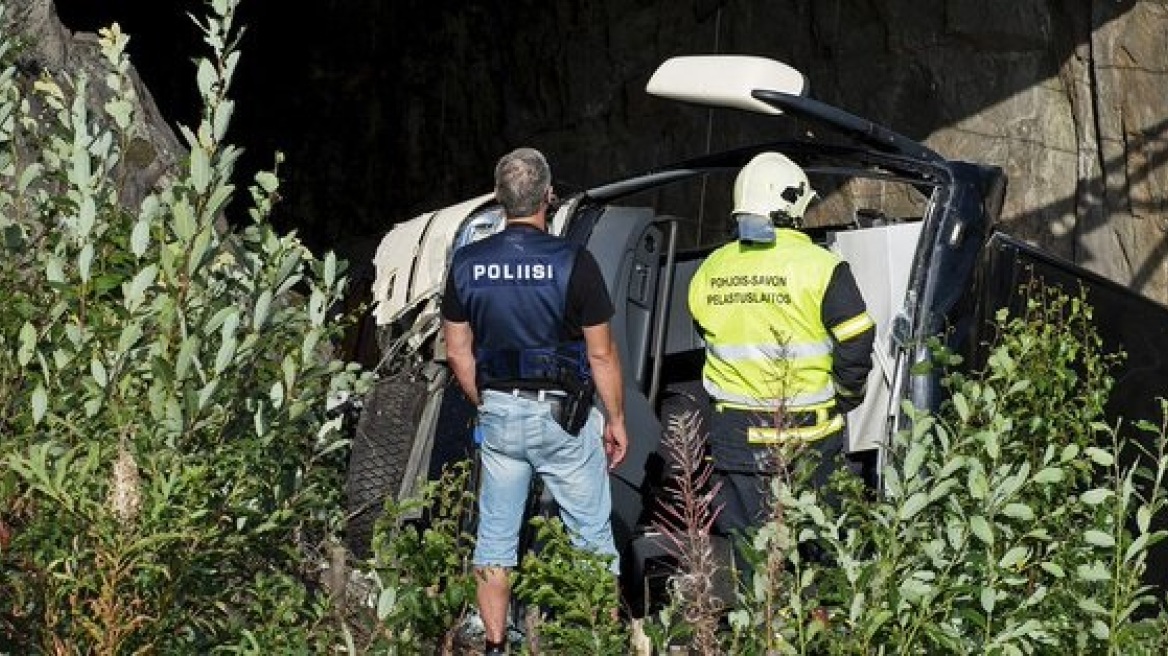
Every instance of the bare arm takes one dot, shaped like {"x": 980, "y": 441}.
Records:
{"x": 606, "y": 371}
{"x": 460, "y": 353}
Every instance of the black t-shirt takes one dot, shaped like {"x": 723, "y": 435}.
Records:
{"x": 588, "y": 303}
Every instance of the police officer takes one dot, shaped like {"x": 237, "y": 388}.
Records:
{"x": 526, "y": 323}
{"x": 788, "y": 339}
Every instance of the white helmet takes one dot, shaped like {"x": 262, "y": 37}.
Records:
{"x": 774, "y": 187}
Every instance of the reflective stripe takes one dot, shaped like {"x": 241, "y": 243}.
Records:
{"x": 761, "y": 435}
{"x": 810, "y": 398}
{"x": 846, "y": 330}
{"x": 851, "y": 394}
{"x": 770, "y": 351}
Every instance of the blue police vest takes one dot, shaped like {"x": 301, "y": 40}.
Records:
{"x": 514, "y": 289}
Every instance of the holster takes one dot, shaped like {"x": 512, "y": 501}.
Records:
{"x": 576, "y": 407}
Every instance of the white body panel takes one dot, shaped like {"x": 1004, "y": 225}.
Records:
{"x": 411, "y": 259}
{"x": 881, "y": 259}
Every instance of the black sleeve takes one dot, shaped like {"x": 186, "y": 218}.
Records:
{"x": 588, "y": 300}
{"x": 452, "y": 309}
{"x": 853, "y": 334}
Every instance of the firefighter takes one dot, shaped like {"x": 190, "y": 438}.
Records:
{"x": 788, "y": 341}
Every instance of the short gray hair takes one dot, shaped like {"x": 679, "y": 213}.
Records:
{"x": 522, "y": 179}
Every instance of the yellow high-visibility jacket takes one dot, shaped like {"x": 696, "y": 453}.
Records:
{"x": 769, "y": 341}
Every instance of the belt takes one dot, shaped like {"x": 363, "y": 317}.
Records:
{"x": 555, "y": 399}
{"x": 543, "y": 395}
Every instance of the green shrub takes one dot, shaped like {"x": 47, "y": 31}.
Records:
{"x": 424, "y": 586}
{"x": 169, "y": 470}
{"x": 572, "y": 595}
{"x": 423, "y": 583}
{"x": 1006, "y": 523}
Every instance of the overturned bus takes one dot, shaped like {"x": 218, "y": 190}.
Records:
{"x": 918, "y": 230}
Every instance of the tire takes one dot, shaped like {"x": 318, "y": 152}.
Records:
{"x": 380, "y": 453}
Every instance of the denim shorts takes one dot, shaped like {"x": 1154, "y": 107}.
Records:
{"x": 519, "y": 438}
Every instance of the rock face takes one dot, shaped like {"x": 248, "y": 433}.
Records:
{"x": 1068, "y": 97}
{"x": 50, "y": 47}
{"x": 387, "y": 109}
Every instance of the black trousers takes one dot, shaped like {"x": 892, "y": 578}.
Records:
{"x": 744, "y": 495}
{"x": 743, "y": 473}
